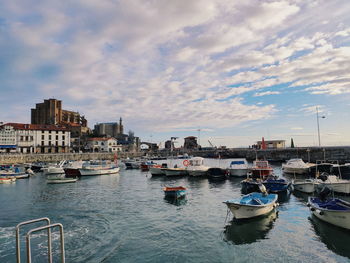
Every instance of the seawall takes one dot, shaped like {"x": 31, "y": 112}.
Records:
{"x": 53, "y": 157}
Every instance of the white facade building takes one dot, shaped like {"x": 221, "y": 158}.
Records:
{"x": 103, "y": 145}
{"x": 37, "y": 138}
{"x": 8, "y": 142}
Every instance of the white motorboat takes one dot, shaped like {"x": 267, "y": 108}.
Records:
{"x": 196, "y": 166}
{"x": 238, "y": 167}
{"x": 59, "y": 179}
{"x": 305, "y": 185}
{"x": 335, "y": 183}
{"x": 252, "y": 205}
{"x": 98, "y": 168}
{"x": 295, "y": 166}
{"x": 55, "y": 169}
{"x": 332, "y": 210}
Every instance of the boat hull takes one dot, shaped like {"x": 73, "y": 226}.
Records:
{"x": 339, "y": 187}
{"x": 237, "y": 172}
{"x": 7, "y": 180}
{"x": 197, "y": 172}
{"x": 305, "y": 187}
{"x": 61, "y": 181}
{"x": 292, "y": 170}
{"x": 88, "y": 172}
{"x": 157, "y": 171}
{"x": 175, "y": 172}
{"x": 72, "y": 172}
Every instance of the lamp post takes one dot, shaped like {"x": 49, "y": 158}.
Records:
{"x": 318, "y": 126}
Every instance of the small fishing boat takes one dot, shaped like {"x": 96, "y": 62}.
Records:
{"x": 305, "y": 185}
{"x": 7, "y": 180}
{"x": 196, "y": 167}
{"x": 332, "y": 210}
{"x": 59, "y": 179}
{"x": 252, "y": 205}
{"x": 334, "y": 183}
{"x": 98, "y": 168}
{"x": 277, "y": 185}
{"x": 174, "y": 192}
{"x": 261, "y": 169}
{"x": 295, "y": 166}
{"x": 18, "y": 172}
{"x": 217, "y": 173}
{"x": 238, "y": 168}
{"x": 273, "y": 184}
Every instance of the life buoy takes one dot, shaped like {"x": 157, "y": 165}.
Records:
{"x": 186, "y": 162}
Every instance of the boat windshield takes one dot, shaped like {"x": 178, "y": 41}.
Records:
{"x": 237, "y": 162}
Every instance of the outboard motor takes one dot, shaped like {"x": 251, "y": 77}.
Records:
{"x": 323, "y": 176}
{"x": 262, "y": 189}
{"x": 324, "y": 193}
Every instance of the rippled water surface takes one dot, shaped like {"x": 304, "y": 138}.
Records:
{"x": 125, "y": 218}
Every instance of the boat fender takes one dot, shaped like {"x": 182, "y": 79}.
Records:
{"x": 308, "y": 205}
{"x": 312, "y": 209}
{"x": 321, "y": 213}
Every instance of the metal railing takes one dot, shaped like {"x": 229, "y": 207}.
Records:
{"x": 47, "y": 227}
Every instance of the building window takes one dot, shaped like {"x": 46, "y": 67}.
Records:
{"x": 56, "y": 137}
{"x": 49, "y": 131}
{"x": 43, "y": 137}
{"x": 63, "y": 137}
{"x": 31, "y": 138}
{"x": 21, "y": 139}
{"x": 49, "y": 143}
{"x": 56, "y": 143}
{"x": 50, "y": 137}
{"x": 27, "y": 138}
{"x": 63, "y": 143}
{"x": 42, "y": 143}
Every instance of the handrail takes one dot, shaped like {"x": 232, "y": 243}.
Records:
{"x": 18, "y": 243}
{"x": 29, "y": 259}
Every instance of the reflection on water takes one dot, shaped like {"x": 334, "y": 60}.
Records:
{"x": 335, "y": 238}
{"x": 248, "y": 231}
{"x": 303, "y": 197}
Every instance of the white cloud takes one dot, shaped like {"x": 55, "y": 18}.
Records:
{"x": 265, "y": 93}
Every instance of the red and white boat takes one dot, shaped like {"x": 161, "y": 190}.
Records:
{"x": 261, "y": 169}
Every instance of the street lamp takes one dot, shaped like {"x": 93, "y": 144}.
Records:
{"x": 318, "y": 126}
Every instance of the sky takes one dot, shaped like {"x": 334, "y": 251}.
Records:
{"x": 229, "y": 72}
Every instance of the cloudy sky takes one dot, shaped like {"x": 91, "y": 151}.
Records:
{"x": 235, "y": 70}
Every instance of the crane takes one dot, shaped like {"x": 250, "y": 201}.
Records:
{"x": 211, "y": 144}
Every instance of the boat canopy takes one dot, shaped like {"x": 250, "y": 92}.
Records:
{"x": 237, "y": 162}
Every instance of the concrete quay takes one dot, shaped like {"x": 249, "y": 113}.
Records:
{"x": 56, "y": 157}
{"x": 311, "y": 154}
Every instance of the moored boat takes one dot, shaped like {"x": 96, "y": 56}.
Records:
{"x": 252, "y": 205}
{"x": 305, "y": 185}
{"x": 238, "y": 167}
{"x": 98, "y": 168}
{"x": 145, "y": 166}
{"x": 174, "y": 192}
{"x": 59, "y": 179}
{"x": 334, "y": 183}
{"x": 216, "y": 173}
{"x": 295, "y": 166}
{"x": 261, "y": 169}
{"x": 332, "y": 210}
{"x": 196, "y": 166}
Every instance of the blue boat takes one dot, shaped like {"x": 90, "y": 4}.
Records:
{"x": 272, "y": 184}
{"x": 174, "y": 192}
{"x": 275, "y": 185}
{"x": 252, "y": 205}
{"x": 332, "y": 210}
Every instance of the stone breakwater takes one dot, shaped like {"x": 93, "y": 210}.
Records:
{"x": 30, "y": 158}
{"x": 312, "y": 154}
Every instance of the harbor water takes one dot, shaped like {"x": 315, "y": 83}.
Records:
{"x": 125, "y": 218}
